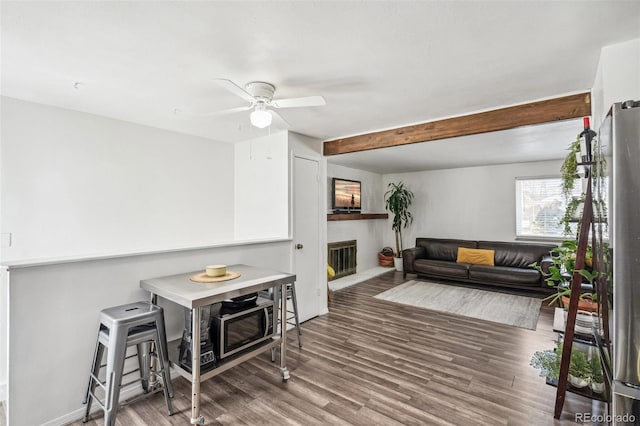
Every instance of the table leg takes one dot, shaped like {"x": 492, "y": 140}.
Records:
{"x": 283, "y": 332}
{"x": 153, "y": 378}
{"x": 196, "y": 418}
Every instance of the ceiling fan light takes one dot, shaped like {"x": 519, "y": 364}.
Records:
{"x": 261, "y": 118}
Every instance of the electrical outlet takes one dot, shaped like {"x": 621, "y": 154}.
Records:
{"x": 5, "y": 239}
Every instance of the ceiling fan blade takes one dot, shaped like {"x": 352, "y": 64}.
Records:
{"x": 235, "y": 89}
{"x": 308, "y": 101}
{"x": 179, "y": 111}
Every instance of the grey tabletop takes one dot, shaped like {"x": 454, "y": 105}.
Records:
{"x": 180, "y": 289}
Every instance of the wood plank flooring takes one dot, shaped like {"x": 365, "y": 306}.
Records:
{"x": 372, "y": 362}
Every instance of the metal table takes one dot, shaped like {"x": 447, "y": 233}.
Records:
{"x": 181, "y": 290}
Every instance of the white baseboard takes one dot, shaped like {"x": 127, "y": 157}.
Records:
{"x": 358, "y": 277}
{"x": 79, "y": 413}
{"x": 75, "y": 415}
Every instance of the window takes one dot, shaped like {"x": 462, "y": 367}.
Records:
{"x": 540, "y": 207}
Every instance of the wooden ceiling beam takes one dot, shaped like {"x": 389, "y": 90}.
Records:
{"x": 556, "y": 109}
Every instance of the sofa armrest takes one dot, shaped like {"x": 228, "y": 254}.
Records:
{"x": 545, "y": 263}
{"x": 410, "y": 255}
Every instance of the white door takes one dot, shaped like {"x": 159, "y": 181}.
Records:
{"x": 306, "y": 236}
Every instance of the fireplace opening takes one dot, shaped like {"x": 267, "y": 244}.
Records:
{"x": 342, "y": 258}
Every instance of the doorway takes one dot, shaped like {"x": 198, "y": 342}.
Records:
{"x": 306, "y": 235}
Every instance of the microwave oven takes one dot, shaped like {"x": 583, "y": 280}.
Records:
{"x": 241, "y": 330}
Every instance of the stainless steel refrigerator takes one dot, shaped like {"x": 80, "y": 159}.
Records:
{"x": 621, "y": 129}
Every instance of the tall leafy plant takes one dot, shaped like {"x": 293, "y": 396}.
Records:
{"x": 398, "y": 199}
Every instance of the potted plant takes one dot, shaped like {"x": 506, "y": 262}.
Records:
{"x": 397, "y": 200}
{"x": 572, "y": 213}
{"x": 579, "y": 369}
{"x": 560, "y": 272}
{"x": 547, "y": 362}
{"x": 569, "y": 168}
{"x": 597, "y": 378}
{"x": 569, "y": 174}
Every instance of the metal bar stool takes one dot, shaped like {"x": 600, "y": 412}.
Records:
{"x": 274, "y": 294}
{"x": 140, "y": 324}
{"x": 291, "y": 295}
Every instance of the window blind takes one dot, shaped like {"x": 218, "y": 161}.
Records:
{"x": 540, "y": 205}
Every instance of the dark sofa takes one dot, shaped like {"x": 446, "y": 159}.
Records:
{"x": 436, "y": 258}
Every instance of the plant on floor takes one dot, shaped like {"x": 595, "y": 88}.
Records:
{"x": 398, "y": 199}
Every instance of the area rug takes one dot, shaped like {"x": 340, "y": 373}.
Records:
{"x": 518, "y": 311}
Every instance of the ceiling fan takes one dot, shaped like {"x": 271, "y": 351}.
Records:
{"x": 259, "y": 94}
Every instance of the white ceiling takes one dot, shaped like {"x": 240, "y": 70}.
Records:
{"x": 379, "y": 65}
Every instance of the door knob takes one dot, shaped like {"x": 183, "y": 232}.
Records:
{"x": 299, "y": 246}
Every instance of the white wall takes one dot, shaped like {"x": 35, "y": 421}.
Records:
{"x": 76, "y": 184}
{"x": 368, "y": 233}
{"x": 79, "y": 185}
{"x": 4, "y": 322}
{"x": 54, "y": 320}
{"x": 472, "y": 203}
{"x": 617, "y": 78}
{"x": 261, "y": 202}
{"x": 4, "y": 305}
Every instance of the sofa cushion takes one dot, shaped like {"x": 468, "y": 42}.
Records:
{"x": 443, "y": 249}
{"x": 442, "y": 268}
{"x": 504, "y": 274}
{"x": 516, "y": 255}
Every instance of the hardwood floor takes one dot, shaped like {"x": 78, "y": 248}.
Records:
{"x": 372, "y": 362}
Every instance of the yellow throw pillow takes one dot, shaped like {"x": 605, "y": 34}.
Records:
{"x": 330, "y": 272}
{"x": 476, "y": 256}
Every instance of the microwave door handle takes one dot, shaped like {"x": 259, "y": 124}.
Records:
{"x": 265, "y": 322}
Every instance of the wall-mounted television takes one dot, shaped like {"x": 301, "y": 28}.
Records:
{"x": 346, "y": 194}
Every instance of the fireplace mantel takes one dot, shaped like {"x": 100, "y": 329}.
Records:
{"x": 356, "y": 216}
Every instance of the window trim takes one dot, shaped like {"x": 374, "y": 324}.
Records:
{"x": 518, "y": 209}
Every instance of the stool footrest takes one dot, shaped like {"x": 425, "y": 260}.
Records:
{"x": 98, "y": 382}
{"x": 138, "y": 379}
{"x": 96, "y": 399}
